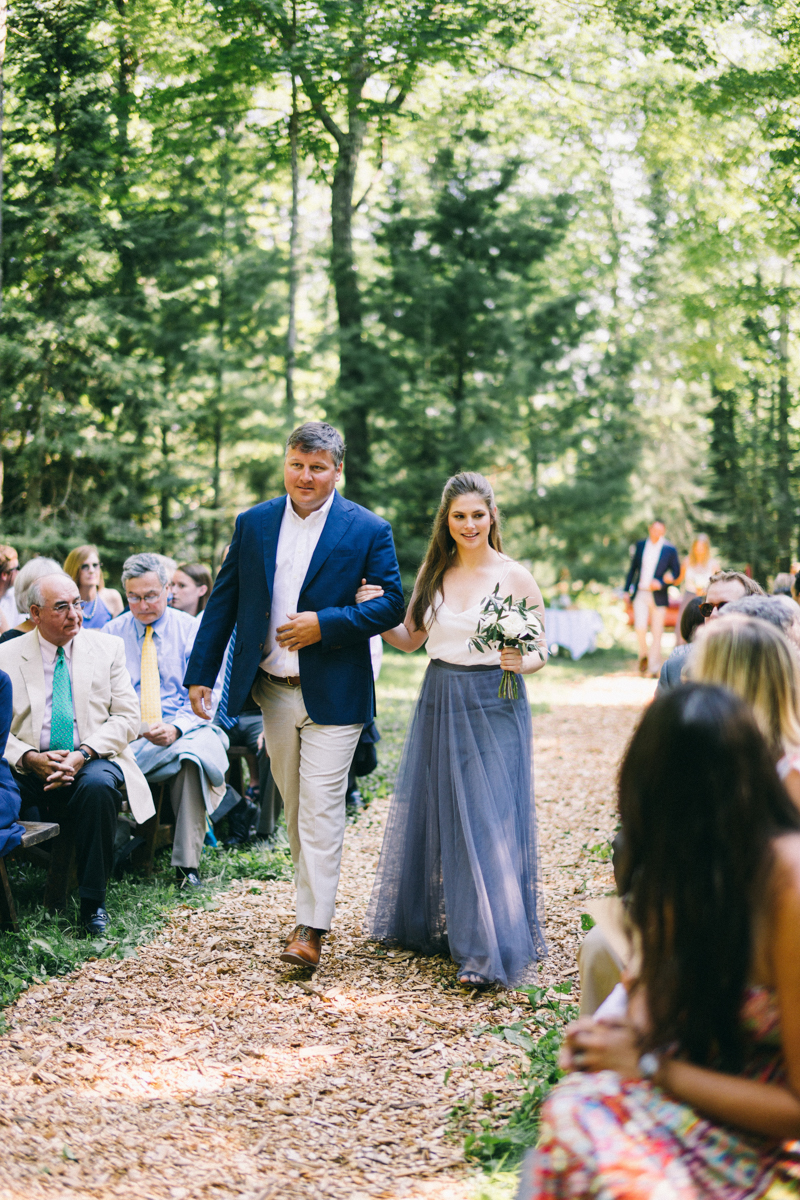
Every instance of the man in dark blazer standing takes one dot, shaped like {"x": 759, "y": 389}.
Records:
{"x": 654, "y": 565}
{"x": 301, "y": 646}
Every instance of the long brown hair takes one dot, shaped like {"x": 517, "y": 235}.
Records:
{"x": 75, "y": 560}
{"x": 441, "y": 548}
{"x": 200, "y": 576}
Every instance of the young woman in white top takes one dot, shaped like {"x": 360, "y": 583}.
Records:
{"x": 458, "y": 871}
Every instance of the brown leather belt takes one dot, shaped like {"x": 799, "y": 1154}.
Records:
{"x": 287, "y": 680}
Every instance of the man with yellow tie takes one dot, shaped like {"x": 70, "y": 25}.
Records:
{"x": 74, "y": 713}
{"x": 174, "y": 744}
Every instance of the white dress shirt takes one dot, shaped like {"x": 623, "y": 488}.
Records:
{"x": 49, "y": 652}
{"x": 297, "y": 542}
{"x": 650, "y": 557}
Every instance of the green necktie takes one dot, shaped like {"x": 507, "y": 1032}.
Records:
{"x": 61, "y": 718}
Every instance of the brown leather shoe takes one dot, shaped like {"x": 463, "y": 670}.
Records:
{"x": 303, "y": 947}
{"x": 643, "y": 665}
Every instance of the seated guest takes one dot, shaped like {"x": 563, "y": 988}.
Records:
{"x": 34, "y": 569}
{"x": 10, "y": 829}
{"x": 726, "y": 586}
{"x": 755, "y": 660}
{"x": 190, "y": 587}
{"x": 174, "y": 745}
{"x": 74, "y": 714}
{"x": 9, "y": 565}
{"x": 782, "y": 585}
{"x": 100, "y": 603}
{"x": 779, "y": 611}
{"x": 691, "y": 620}
{"x": 694, "y": 1090}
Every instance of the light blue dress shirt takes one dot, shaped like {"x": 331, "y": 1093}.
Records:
{"x": 174, "y": 633}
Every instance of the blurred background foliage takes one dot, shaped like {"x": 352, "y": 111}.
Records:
{"x": 553, "y": 242}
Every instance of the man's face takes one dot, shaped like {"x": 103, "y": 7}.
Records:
{"x": 720, "y": 594}
{"x": 309, "y": 478}
{"x": 8, "y": 575}
{"x": 656, "y": 531}
{"x": 60, "y": 617}
{"x": 147, "y": 596}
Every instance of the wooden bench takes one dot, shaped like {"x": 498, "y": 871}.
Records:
{"x": 35, "y": 833}
{"x": 155, "y": 831}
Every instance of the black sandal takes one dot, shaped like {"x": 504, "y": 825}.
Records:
{"x": 472, "y": 979}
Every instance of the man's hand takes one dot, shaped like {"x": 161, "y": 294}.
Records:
{"x": 162, "y": 735}
{"x": 200, "y": 698}
{"x": 656, "y": 585}
{"x": 57, "y": 768}
{"x": 302, "y": 630}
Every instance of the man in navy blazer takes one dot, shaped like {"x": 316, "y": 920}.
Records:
{"x": 654, "y": 565}
{"x": 301, "y": 646}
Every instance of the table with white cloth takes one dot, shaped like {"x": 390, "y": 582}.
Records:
{"x": 575, "y": 629}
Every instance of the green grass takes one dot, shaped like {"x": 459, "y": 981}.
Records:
{"x": 50, "y": 943}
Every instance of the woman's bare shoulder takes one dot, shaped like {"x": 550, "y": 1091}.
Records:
{"x": 522, "y": 581}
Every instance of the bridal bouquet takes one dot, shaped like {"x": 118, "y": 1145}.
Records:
{"x": 505, "y": 623}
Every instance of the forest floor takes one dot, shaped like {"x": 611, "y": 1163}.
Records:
{"x": 203, "y": 1068}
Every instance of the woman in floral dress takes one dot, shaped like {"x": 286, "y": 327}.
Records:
{"x": 696, "y": 1091}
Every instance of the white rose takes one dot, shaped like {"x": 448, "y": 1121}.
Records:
{"x": 514, "y": 625}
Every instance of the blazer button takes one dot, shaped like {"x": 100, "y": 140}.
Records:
{"x": 266, "y": 614}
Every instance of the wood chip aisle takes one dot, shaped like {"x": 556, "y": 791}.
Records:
{"x": 204, "y": 1069}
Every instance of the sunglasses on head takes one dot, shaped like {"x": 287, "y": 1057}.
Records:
{"x": 707, "y": 609}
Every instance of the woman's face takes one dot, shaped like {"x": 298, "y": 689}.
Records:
{"x": 90, "y": 571}
{"x": 185, "y": 593}
{"x": 701, "y": 551}
{"x": 469, "y": 521}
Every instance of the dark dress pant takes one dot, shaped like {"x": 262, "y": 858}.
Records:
{"x": 87, "y": 809}
{"x": 245, "y": 733}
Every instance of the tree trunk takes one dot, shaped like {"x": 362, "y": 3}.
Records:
{"x": 353, "y": 403}
{"x": 785, "y": 515}
{"x": 294, "y": 262}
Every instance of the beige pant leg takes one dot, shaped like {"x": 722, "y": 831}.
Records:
{"x": 657, "y": 618}
{"x": 186, "y": 796}
{"x": 310, "y": 763}
{"x": 600, "y": 970}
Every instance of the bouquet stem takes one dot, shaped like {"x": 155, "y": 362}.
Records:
{"x": 509, "y": 689}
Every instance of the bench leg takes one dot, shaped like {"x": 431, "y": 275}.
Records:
{"x": 8, "y": 912}
{"x": 153, "y": 838}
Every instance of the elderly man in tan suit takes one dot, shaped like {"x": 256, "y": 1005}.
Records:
{"x": 75, "y": 711}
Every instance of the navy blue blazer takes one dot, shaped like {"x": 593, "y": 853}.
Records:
{"x": 335, "y": 673}
{"x": 667, "y": 561}
{"x": 10, "y": 830}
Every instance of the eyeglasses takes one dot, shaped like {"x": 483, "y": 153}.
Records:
{"x": 63, "y": 606}
{"x": 91, "y": 566}
{"x": 150, "y": 598}
{"x": 707, "y": 609}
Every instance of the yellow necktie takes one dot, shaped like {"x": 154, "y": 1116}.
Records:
{"x": 150, "y": 686}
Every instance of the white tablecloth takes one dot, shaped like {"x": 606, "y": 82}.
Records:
{"x": 575, "y": 629}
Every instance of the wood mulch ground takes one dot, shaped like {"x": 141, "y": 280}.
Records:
{"x": 202, "y": 1068}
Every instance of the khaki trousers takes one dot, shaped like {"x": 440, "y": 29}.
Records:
{"x": 186, "y": 797}
{"x": 600, "y": 970}
{"x": 309, "y": 764}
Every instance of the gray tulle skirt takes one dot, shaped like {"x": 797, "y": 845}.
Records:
{"x": 458, "y": 871}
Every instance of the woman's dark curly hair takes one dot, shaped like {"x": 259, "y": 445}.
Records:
{"x": 700, "y": 803}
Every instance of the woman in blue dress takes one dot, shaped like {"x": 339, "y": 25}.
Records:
{"x": 100, "y": 603}
{"x": 458, "y": 871}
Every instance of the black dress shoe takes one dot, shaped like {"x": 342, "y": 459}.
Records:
{"x": 188, "y": 877}
{"x": 96, "y": 923}
{"x": 354, "y": 801}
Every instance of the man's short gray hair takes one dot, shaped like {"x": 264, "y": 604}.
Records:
{"x": 772, "y": 609}
{"x": 35, "y": 594}
{"x": 317, "y": 435}
{"x": 35, "y": 569}
{"x": 143, "y": 564}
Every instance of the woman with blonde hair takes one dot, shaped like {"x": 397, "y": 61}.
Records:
{"x": 697, "y": 569}
{"x": 100, "y": 603}
{"x": 756, "y": 661}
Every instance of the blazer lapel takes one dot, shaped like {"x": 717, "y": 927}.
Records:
{"x": 82, "y": 673}
{"x": 270, "y": 532}
{"x": 32, "y": 672}
{"x": 336, "y": 526}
